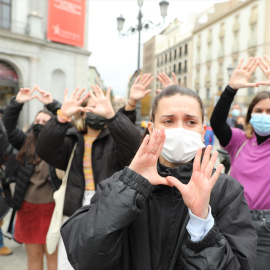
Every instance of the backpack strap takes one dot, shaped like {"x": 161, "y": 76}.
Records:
{"x": 238, "y": 152}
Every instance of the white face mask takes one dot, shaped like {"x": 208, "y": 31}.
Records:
{"x": 181, "y": 145}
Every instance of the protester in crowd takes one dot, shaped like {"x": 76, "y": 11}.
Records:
{"x": 139, "y": 216}
{"x": 240, "y": 122}
{"x": 33, "y": 196}
{"x": 249, "y": 150}
{"x": 3, "y": 146}
{"x": 236, "y": 111}
{"x": 106, "y": 143}
{"x": 209, "y": 134}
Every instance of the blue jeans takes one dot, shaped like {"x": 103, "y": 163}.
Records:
{"x": 261, "y": 219}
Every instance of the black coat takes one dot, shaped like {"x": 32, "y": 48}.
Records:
{"x": 3, "y": 142}
{"x": 133, "y": 225}
{"x": 113, "y": 149}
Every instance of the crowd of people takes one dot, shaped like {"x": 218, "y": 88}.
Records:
{"x": 151, "y": 201}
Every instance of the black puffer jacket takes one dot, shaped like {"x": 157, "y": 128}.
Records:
{"x": 133, "y": 225}
{"x": 113, "y": 149}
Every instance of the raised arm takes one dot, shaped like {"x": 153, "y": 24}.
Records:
{"x": 239, "y": 79}
{"x": 11, "y": 115}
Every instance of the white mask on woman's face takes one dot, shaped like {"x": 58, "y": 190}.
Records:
{"x": 181, "y": 145}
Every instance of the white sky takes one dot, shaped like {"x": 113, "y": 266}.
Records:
{"x": 115, "y": 58}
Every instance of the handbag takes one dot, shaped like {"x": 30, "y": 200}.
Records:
{"x": 53, "y": 235}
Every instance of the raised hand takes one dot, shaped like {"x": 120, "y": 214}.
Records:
{"x": 243, "y": 73}
{"x": 72, "y": 104}
{"x": 103, "y": 106}
{"x": 196, "y": 194}
{"x": 265, "y": 68}
{"x": 139, "y": 89}
{"x": 145, "y": 160}
{"x": 45, "y": 96}
{"x": 165, "y": 80}
{"x": 25, "y": 94}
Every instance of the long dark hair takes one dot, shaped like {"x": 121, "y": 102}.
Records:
{"x": 260, "y": 96}
{"x": 28, "y": 151}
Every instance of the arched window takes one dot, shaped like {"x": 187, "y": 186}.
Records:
{"x": 8, "y": 83}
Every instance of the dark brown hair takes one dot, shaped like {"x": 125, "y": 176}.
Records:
{"x": 28, "y": 151}
{"x": 260, "y": 96}
{"x": 172, "y": 90}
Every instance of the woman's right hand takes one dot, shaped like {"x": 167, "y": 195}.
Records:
{"x": 145, "y": 160}
{"x": 243, "y": 73}
{"x": 25, "y": 94}
{"x": 72, "y": 104}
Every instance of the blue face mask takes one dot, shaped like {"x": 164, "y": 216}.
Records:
{"x": 235, "y": 113}
{"x": 261, "y": 123}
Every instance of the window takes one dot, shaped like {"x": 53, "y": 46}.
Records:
{"x": 174, "y": 68}
{"x": 186, "y": 49}
{"x": 170, "y": 56}
{"x": 165, "y": 58}
{"x": 175, "y": 53}
{"x": 158, "y": 62}
{"x": 179, "y": 81}
{"x": 180, "y": 68}
{"x": 5, "y": 14}
{"x": 185, "y": 81}
{"x": 207, "y": 93}
{"x": 180, "y": 52}
{"x": 185, "y": 66}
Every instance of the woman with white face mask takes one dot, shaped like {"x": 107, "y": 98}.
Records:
{"x": 249, "y": 150}
{"x": 169, "y": 209}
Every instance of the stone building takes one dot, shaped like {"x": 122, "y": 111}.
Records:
{"x": 29, "y": 58}
{"x": 231, "y": 31}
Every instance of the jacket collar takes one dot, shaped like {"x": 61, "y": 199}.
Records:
{"x": 182, "y": 172}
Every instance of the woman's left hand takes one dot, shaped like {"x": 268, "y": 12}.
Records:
{"x": 103, "y": 106}
{"x": 196, "y": 194}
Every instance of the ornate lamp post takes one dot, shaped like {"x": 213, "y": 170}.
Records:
{"x": 142, "y": 25}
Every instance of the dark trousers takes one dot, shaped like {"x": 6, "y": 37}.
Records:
{"x": 261, "y": 219}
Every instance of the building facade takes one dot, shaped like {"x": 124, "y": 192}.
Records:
{"x": 169, "y": 51}
{"x": 29, "y": 58}
{"x": 233, "y": 30}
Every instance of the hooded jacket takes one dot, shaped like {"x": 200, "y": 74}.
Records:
{"x": 112, "y": 150}
{"x": 131, "y": 224}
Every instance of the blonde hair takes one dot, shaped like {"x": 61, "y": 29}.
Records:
{"x": 79, "y": 121}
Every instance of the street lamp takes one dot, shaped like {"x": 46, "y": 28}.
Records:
{"x": 142, "y": 25}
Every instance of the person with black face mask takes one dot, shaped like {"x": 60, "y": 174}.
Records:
{"x": 106, "y": 142}
{"x": 33, "y": 197}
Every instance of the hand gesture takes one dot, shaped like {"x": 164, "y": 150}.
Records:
{"x": 45, "y": 98}
{"x": 242, "y": 74}
{"x": 165, "y": 80}
{"x": 145, "y": 160}
{"x": 196, "y": 194}
{"x": 25, "y": 94}
{"x": 72, "y": 104}
{"x": 103, "y": 106}
{"x": 139, "y": 88}
{"x": 265, "y": 68}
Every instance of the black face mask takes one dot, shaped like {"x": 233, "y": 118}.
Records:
{"x": 37, "y": 128}
{"x": 95, "y": 121}
{"x": 240, "y": 126}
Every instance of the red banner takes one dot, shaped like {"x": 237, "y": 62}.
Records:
{"x": 66, "y": 21}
